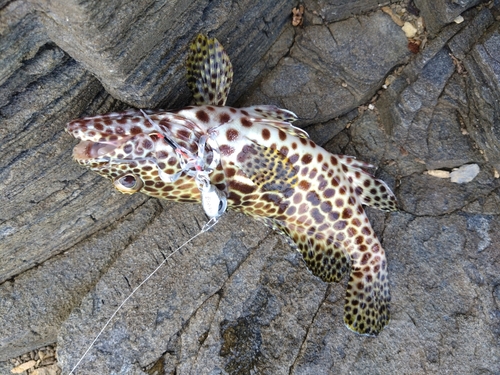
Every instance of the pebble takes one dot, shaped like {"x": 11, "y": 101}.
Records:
{"x": 466, "y": 173}
{"x": 409, "y": 30}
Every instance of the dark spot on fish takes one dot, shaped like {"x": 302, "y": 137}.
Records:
{"x": 328, "y": 193}
{"x": 313, "y": 198}
{"x": 340, "y": 225}
{"x": 347, "y": 213}
{"x": 226, "y": 150}
{"x": 356, "y": 222}
{"x": 281, "y": 135}
{"x": 232, "y": 134}
{"x": 266, "y": 134}
{"x": 224, "y": 117}
{"x": 326, "y": 207}
{"x": 297, "y": 198}
{"x": 304, "y": 185}
{"x": 246, "y": 122}
{"x": 306, "y": 159}
{"x": 242, "y": 188}
{"x": 135, "y": 130}
{"x": 202, "y": 116}
{"x": 293, "y": 159}
{"x": 317, "y": 216}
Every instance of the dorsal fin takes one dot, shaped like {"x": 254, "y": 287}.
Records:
{"x": 209, "y": 71}
{"x": 276, "y": 117}
{"x": 373, "y": 192}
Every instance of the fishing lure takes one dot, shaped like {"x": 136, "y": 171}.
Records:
{"x": 254, "y": 161}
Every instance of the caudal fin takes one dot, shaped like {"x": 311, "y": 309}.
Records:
{"x": 367, "y": 304}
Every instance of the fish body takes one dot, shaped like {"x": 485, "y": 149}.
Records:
{"x": 265, "y": 168}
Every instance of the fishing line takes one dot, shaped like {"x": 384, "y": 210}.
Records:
{"x": 208, "y": 225}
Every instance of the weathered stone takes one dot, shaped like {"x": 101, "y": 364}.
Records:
{"x": 483, "y": 91}
{"x": 253, "y": 272}
{"x": 429, "y": 120}
{"x": 438, "y": 13}
{"x": 331, "y": 11}
{"x": 138, "y": 50}
{"x": 329, "y": 76}
{"x": 38, "y": 216}
{"x": 37, "y": 302}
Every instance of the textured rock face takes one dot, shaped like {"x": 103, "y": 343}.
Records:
{"x": 437, "y": 14}
{"x": 237, "y": 299}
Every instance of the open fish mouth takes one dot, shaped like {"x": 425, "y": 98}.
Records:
{"x": 87, "y": 150}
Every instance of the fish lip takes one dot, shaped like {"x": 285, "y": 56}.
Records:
{"x": 88, "y": 150}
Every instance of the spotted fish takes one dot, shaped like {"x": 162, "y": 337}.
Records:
{"x": 268, "y": 169}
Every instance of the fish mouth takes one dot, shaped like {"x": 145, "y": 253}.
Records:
{"x": 87, "y": 150}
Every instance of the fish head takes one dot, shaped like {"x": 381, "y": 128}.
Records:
{"x": 132, "y": 150}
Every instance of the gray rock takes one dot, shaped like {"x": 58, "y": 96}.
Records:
{"x": 438, "y": 13}
{"x": 322, "y": 56}
{"x": 237, "y": 299}
{"x": 38, "y": 301}
{"x": 331, "y": 11}
{"x": 138, "y": 51}
{"x": 483, "y": 89}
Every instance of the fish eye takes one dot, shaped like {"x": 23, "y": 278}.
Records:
{"x": 128, "y": 184}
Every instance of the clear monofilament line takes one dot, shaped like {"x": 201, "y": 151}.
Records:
{"x": 208, "y": 225}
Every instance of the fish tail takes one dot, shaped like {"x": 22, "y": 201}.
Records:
{"x": 367, "y": 304}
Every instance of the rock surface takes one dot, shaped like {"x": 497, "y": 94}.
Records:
{"x": 237, "y": 300}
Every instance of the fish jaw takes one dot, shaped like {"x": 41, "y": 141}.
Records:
{"x": 132, "y": 152}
